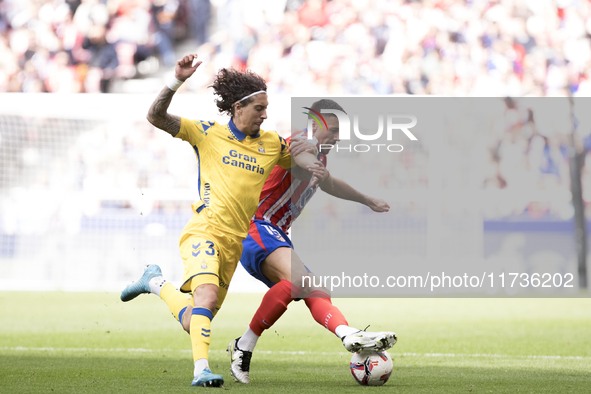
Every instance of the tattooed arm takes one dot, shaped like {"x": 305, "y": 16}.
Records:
{"x": 158, "y": 113}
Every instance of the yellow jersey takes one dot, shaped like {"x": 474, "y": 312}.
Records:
{"x": 232, "y": 170}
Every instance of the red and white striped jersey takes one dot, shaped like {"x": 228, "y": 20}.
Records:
{"x": 283, "y": 196}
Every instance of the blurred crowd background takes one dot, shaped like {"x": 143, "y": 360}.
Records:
{"x": 444, "y": 47}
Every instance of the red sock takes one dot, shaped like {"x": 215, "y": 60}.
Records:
{"x": 324, "y": 312}
{"x": 274, "y": 304}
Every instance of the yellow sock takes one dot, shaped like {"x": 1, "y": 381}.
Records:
{"x": 174, "y": 299}
{"x": 200, "y": 332}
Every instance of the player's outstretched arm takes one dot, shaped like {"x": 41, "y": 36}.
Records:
{"x": 158, "y": 113}
{"x": 341, "y": 189}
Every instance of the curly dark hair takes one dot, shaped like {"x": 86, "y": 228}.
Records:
{"x": 232, "y": 85}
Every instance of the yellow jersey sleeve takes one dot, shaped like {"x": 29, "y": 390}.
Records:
{"x": 193, "y": 131}
{"x": 284, "y": 156}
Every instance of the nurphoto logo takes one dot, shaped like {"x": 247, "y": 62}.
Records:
{"x": 377, "y": 140}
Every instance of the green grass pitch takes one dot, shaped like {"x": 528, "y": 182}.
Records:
{"x": 93, "y": 343}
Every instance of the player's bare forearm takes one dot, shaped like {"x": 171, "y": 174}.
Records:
{"x": 305, "y": 160}
{"x": 158, "y": 113}
{"x": 303, "y": 153}
{"x": 299, "y": 145}
{"x": 341, "y": 189}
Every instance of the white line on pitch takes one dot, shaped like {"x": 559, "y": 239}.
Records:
{"x": 285, "y": 353}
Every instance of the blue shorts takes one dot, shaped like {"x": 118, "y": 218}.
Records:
{"x": 263, "y": 238}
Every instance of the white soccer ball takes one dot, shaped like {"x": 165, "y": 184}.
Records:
{"x": 371, "y": 368}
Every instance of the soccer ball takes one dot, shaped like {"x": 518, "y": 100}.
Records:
{"x": 371, "y": 368}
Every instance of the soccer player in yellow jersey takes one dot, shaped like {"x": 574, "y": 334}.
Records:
{"x": 234, "y": 159}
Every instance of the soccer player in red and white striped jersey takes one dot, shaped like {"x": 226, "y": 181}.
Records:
{"x": 268, "y": 253}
